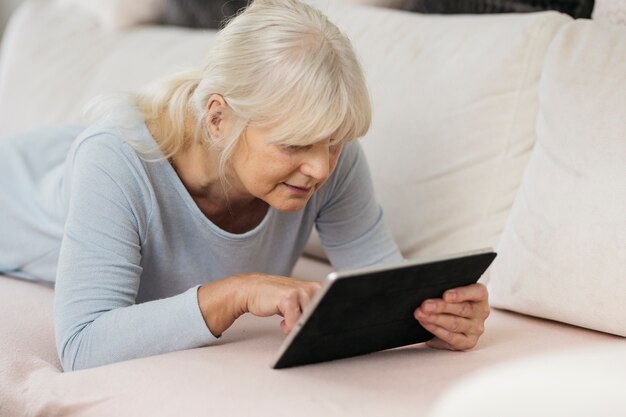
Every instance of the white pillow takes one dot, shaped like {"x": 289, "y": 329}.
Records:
{"x": 562, "y": 255}
{"x": 454, "y": 108}
{"x": 610, "y": 11}
{"x": 50, "y": 71}
{"x": 122, "y": 14}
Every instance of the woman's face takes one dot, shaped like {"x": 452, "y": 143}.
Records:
{"x": 284, "y": 177}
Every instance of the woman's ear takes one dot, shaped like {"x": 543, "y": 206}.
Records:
{"x": 215, "y": 121}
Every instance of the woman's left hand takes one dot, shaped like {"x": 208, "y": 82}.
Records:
{"x": 458, "y": 319}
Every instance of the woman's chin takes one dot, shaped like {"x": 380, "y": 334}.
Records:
{"x": 289, "y": 205}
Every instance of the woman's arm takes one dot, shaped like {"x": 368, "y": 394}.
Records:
{"x": 96, "y": 319}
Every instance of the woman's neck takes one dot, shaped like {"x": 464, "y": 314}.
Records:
{"x": 197, "y": 166}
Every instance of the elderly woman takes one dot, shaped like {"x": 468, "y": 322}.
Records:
{"x": 185, "y": 206}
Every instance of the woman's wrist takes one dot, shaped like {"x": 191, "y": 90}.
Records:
{"x": 221, "y": 303}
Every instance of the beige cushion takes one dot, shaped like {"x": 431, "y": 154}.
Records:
{"x": 563, "y": 252}
{"x": 610, "y": 11}
{"x": 49, "y": 85}
{"x": 121, "y": 14}
{"x": 455, "y": 103}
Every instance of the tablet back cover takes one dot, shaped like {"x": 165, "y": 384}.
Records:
{"x": 374, "y": 311}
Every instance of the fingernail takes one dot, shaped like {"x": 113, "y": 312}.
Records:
{"x": 429, "y": 306}
{"x": 451, "y": 295}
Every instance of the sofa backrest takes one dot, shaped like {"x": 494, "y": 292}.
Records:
{"x": 454, "y": 101}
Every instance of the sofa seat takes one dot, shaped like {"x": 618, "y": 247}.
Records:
{"x": 233, "y": 377}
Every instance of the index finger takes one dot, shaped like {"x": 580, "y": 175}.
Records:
{"x": 290, "y": 309}
{"x": 473, "y": 292}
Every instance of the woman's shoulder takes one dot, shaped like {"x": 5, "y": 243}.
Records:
{"x": 102, "y": 154}
{"x": 113, "y": 147}
{"x": 349, "y": 176}
{"x": 101, "y": 142}
{"x": 351, "y": 163}
{"x": 352, "y": 154}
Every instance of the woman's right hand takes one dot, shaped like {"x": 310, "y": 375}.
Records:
{"x": 263, "y": 295}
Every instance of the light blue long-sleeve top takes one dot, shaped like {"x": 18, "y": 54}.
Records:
{"x": 128, "y": 247}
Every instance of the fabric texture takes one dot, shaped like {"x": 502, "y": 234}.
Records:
{"x": 581, "y": 382}
{"x": 84, "y": 59}
{"x": 563, "y": 252}
{"x": 213, "y": 379}
{"x": 122, "y": 14}
{"x": 460, "y": 131}
{"x": 610, "y": 11}
{"x": 135, "y": 246}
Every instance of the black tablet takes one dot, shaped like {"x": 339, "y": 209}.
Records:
{"x": 368, "y": 310}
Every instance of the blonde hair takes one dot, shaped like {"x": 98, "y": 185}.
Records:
{"x": 279, "y": 63}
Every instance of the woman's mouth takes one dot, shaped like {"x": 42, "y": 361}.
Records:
{"x": 298, "y": 190}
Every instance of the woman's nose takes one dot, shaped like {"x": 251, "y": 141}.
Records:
{"x": 317, "y": 162}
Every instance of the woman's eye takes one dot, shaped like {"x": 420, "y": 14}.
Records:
{"x": 296, "y": 148}
{"x": 333, "y": 147}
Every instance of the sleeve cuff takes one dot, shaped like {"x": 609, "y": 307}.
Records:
{"x": 199, "y": 333}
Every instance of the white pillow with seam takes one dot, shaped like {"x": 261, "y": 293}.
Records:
{"x": 454, "y": 107}
{"x": 610, "y": 11}
{"x": 562, "y": 255}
